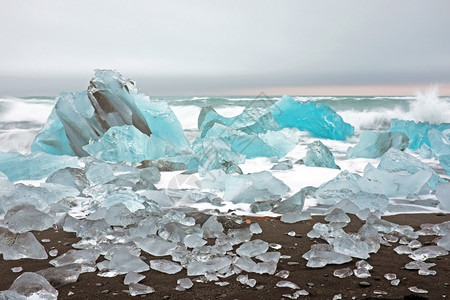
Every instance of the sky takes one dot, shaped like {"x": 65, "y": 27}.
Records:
{"x": 227, "y": 47}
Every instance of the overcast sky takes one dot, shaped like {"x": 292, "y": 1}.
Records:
{"x": 213, "y": 47}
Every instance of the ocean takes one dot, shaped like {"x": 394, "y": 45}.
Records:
{"x": 22, "y": 118}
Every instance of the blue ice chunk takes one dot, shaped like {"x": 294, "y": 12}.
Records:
{"x": 373, "y": 144}
{"x": 269, "y": 144}
{"x": 393, "y": 184}
{"x": 316, "y": 118}
{"x": 214, "y": 153}
{"x": 34, "y": 166}
{"x": 395, "y": 160}
{"x": 439, "y": 141}
{"x": 416, "y": 132}
{"x": 425, "y": 151}
{"x": 251, "y": 120}
{"x": 318, "y": 155}
{"x": 343, "y": 184}
{"x": 52, "y": 138}
{"x": 127, "y": 143}
{"x": 110, "y": 101}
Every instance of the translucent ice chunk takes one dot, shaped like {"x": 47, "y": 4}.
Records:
{"x": 287, "y": 284}
{"x": 165, "y": 266}
{"x": 60, "y": 276}
{"x": 444, "y": 160}
{"x": 85, "y": 258}
{"x": 140, "y": 289}
{"x": 361, "y": 273}
{"x": 318, "y": 119}
{"x": 127, "y": 143}
{"x": 416, "y": 132}
{"x": 373, "y": 144}
{"x": 318, "y": 155}
{"x": 23, "y": 245}
{"x": 73, "y": 177}
{"x": 393, "y": 184}
{"x": 34, "y": 286}
{"x": 212, "y": 228}
{"x": 294, "y": 217}
{"x": 444, "y": 242}
{"x": 243, "y": 279}
{"x": 155, "y": 245}
{"x": 395, "y": 160}
{"x": 390, "y": 276}
{"x": 416, "y": 290}
{"x": 25, "y": 218}
{"x": 124, "y": 262}
{"x": 252, "y": 248}
{"x": 440, "y": 141}
{"x": 213, "y": 265}
{"x": 184, "y": 284}
{"x": 425, "y": 253}
{"x": 34, "y": 166}
{"x": 319, "y": 259}
{"x": 342, "y": 273}
{"x": 132, "y": 277}
{"x": 337, "y": 215}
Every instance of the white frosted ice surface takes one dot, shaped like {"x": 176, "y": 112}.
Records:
{"x": 417, "y": 290}
{"x": 255, "y": 228}
{"x": 60, "y": 276}
{"x": 283, "y": 274}
{"x": 165, "y": 266}
{"x": 403, "y": 249}
{"x": 390, "y": 276}
{"x": 427, "y": 252}
{"x": 444, "y": 242}
{"x": 243, "y": 279}
{"x": 213, "y": 265}
{"x": 361, "y": 273}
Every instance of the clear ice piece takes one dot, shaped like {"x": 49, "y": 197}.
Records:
{"x": 443, "y": 195}
{"x": 23, "y": 245}
{"x": 361, "y": 273}
{"x": 417, "y": 290}
{"x": 34, "y": 286}
{"x": 140, "y": 289}
{"x": 283, "y": 274}
{"x": 212, "y": 228}
{"x": 124, "y": 262}
{"x": 287, "y": 284}
{"x": 184, "y": 284}
{"x": 296, "y": 216}
{"x": 390, "y": 276}
{"x": 337, "y": 215}
{"x": 25, "y": 218}
{"x": 73, "y": 177}
{"x": 427, "y": 252}
{"x": 243, "y": 279}
{"x": 132, "y": 277}
{"x": 444, "y": 242}
{"x": 165, "y": 266}
{"x": 252, "y": 248}
{"x": 343, "y": 273}
{"x": 60, "y": 276}
{"x": 395, "y": 282}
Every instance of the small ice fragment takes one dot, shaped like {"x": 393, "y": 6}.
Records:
{"x": 416, "y": 290}
{"x": 426, "y": 272}
{"x": 295, "y": 216}
{"x": 70, "y": 293}
{"x": 425, "y": 253}
{"x": 255, "y": 228}
{"x": 380, "y": 292}
{"x": 361, "y": 273}
{"x": 243, "y": 279}
{"x": 132, "y": 277}
{"x": 337, "y": 215}
{"x": 403, "y": 249}
{"x": 416, "y": 265}
{"x": 390, "y": 276}
{"x": 183, "y": 284}
{"x": 53, "y": 252}
{"x": 222, "y": 283}
{"x": 275, "y": 246}
{"x": 165, "y": 266}
{"x": 252, "y": 248}
{"x": 403, "y": 241}
{"x": 363, "y": 264}
{"x": 291, "y": 233}
{"x": 288, "y": 284}
{"x": 283, "y": 274}
{"x": 415, "y": 244}
{"x": 390, "y": 238}
{"x": 444, "y": 242}
{"x": 395, "y": 282}
{"x": 342, "y": 273}
{"x": 212, "y": 228}
{"x": 17, "y": 269}
{"x": 337, "y": 297}
{"x": 140, "y": 289}
{"x": 45, "y": 240}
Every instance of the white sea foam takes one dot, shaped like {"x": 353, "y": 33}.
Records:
{"x": 428, "y": 107}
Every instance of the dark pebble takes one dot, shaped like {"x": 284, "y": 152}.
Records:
{"x": 364, "y": 284}
{"x": 440, "y": 214}
{"x": 166, "y": 297}
{"x": 377, "y": 278}
{"x": 326, "y": 275}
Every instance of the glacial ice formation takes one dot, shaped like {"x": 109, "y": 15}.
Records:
{"x": 373, "y": 144}
{"x": 416, "y": 132}
{"x": 316, "y": 118}
{"x": 110, "y": 101}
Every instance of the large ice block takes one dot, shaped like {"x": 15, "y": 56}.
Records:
{"x": 34, "y": 286}
{"x": 395, "y": 160}
{"x": 127, "y": 143}
{"x": 373, "y": 144}
{"x": 318, "y": 155}
{"x": 110, "y": 100}
{"x": 440, "y": 141}
{"x": 34, "y": 166}
{"x": 316, "y": 118}
{"x": 416, "y": 132}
